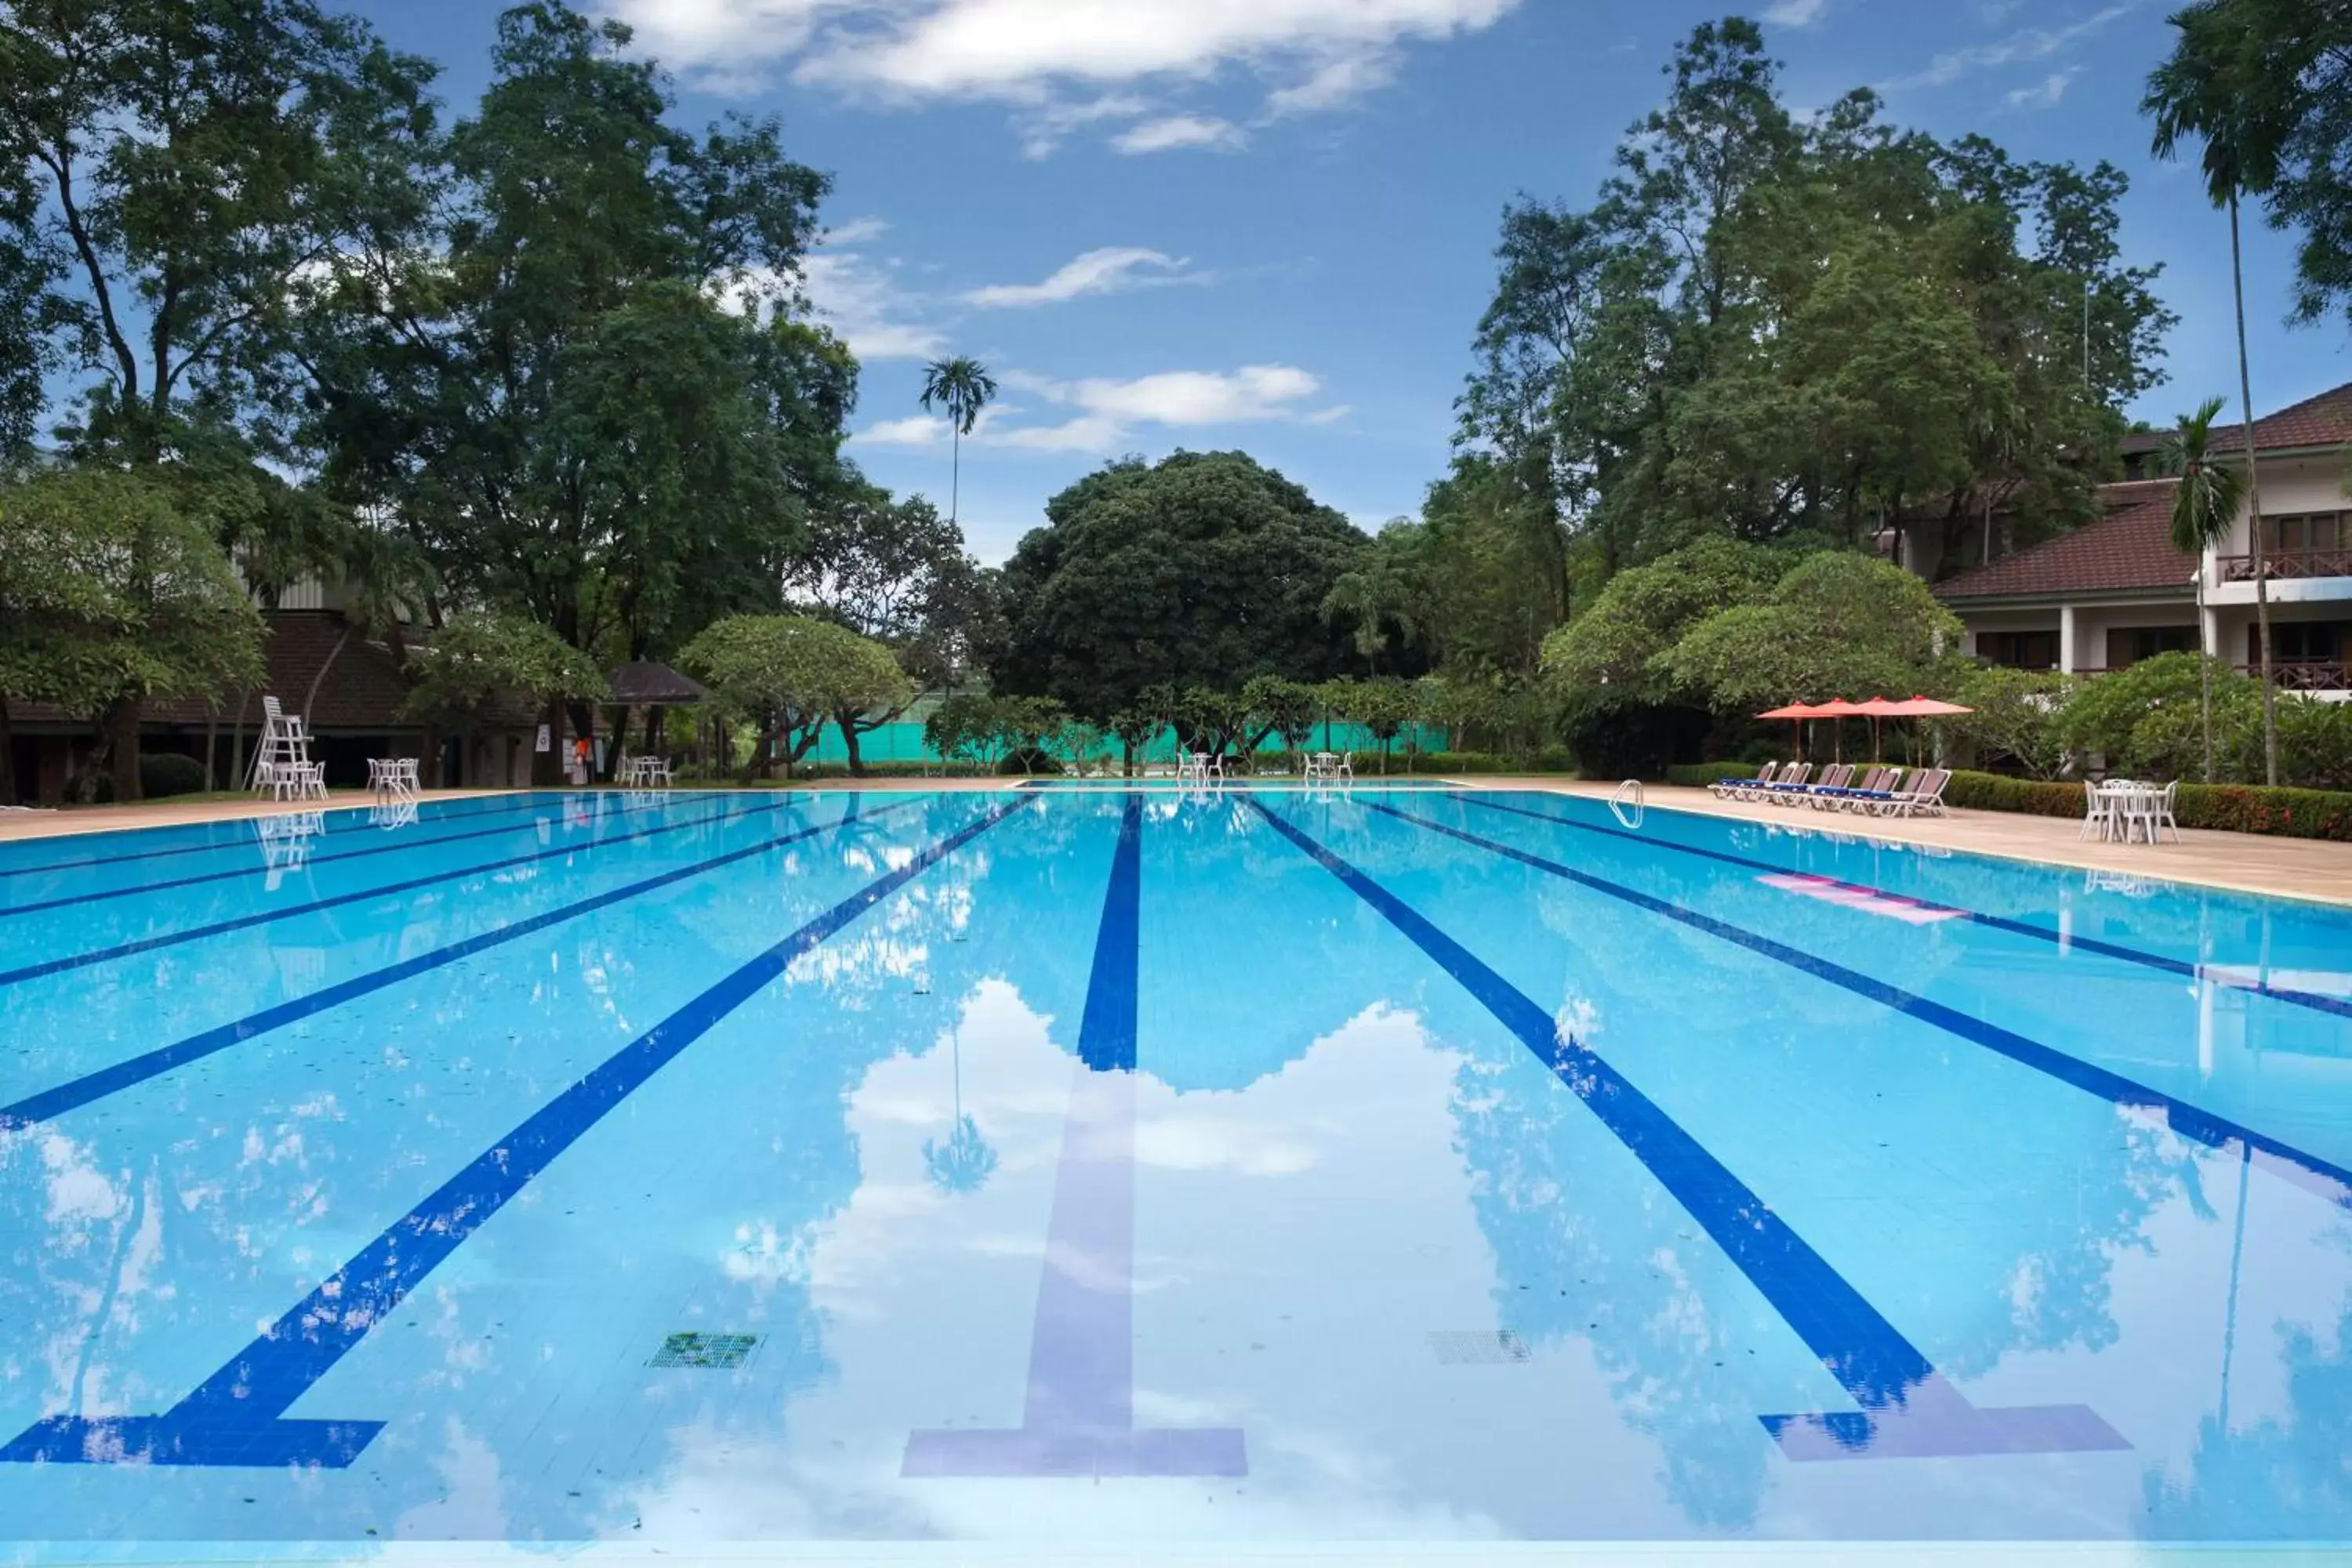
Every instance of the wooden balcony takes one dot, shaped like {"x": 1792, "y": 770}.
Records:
{"x": 2306, "y": 674}
{"x": 2287, "y": 564}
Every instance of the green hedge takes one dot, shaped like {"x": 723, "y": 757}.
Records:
{"x": 166, "y": 774}
{"x": 2232, "y": 808}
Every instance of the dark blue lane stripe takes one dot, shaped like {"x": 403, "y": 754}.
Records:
{"x": 2327, "y": 1179}
{"x": 234, "y": 1417}
{"x": 398, "y": 844}
{"x": 264, "y": 917}
{"x": 1884, "y": 1371}
{"x": 439, "y": 811}
{"x": 1106, "y": 1028}
{"x": 2337, "y": 1005}
{"x": 50, "y": 1103}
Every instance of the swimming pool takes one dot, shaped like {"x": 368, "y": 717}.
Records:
{"x": 1084, "y": 1164}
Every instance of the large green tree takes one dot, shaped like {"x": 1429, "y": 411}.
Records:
{"x": 894, "y": 571}
{"x": 789, "y": 674}
{"x": 1205, "y": 569}
{"x": 581, "y": 379}
{"x": 482, "y": 664}
{"x": 111, "y": 595}
{"x": 1815, "y": 329}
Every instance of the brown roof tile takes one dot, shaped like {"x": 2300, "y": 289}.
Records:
{"x": 2322, "y": 421}
{"x": 2129, "y": 548}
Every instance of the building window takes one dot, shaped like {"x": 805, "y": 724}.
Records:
{"x": 2302, "y": 642}
{"x": 2127, "y": 646}
{"x": 2302, "y": 533}
{"x": 2018, "y": 650}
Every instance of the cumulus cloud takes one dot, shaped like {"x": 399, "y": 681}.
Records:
{"x": 1056, "y": 57}
{"x": 1113, "y": 270}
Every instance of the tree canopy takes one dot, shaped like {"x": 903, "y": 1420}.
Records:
{"x": 789, "y": 674}
{"x": 1204, "y": 569}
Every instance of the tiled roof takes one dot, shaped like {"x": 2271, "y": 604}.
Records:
{"x": 2322, "y": 421}
{"x": 2129, "y": 548}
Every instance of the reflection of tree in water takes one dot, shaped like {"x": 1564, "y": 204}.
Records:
{"x": 2280, "y": 1480}
{"x": 1587, "y": 1246}
{"x": 961, "y": 1164}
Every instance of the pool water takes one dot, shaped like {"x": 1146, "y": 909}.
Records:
{"x": 1073, "y": 1165}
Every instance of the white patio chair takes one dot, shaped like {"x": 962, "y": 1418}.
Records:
{"x": 2098, "y": 815}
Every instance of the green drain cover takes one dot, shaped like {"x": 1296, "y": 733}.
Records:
{"x": 708, "y": 1353}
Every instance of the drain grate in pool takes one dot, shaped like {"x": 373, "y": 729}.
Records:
{"x": 708, "y": 1353}
{"x": 1478, "y": 1347}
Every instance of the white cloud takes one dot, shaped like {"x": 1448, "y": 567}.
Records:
{"x": 2046, "y": 93}
{"x": 1311, "y": 55}
{"x": 915, "y": 430}
{"x": 2027, "y": 44}
{"x": 1113, "y": 270}
{"x": 1793, "y": 12}
{"x": 1043, "y": 129}
{"x": 1174, "y": 130}
{"x": 1105, "y": 412}
{"x": 857, "y": 231}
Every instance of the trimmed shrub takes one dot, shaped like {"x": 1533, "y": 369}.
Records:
{"x": 1999, "y": 792}
{"x": 1699, "y": 775}
{"x": 164, "y": 773}
{"x": 1554, "y": 761}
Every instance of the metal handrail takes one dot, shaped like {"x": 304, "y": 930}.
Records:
{"x": 1618, "y": 804}
{"x": 2287, "y": 564}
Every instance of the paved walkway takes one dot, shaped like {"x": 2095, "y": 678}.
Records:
{"x": 2248, "y": 862}
{"x": 2253, "y": 863}
{"x": 172, "y": 812}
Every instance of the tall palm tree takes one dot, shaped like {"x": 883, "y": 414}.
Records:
{"x": 2198, "y": 92}
{"x": 2203, "y": 509}
{"x": 963, "y": 388}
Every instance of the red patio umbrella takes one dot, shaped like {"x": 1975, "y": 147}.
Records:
{"x": 1924, "y": 707}
{"x": 1839, "y": 708}
{"x": 1878, "y": 708}
{"x": 1796, "y": 713}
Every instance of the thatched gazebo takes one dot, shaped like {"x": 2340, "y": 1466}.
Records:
{"x": 656, "y": 688}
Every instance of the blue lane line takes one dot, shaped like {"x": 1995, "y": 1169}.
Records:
{"x": 397, "y": 844}
{"x": 1106, "y": 1028}
{"x": 1892, "y": 1380}
{"x": 2330, "y": 1181}
{"x": 236, "y": 1417}
{"x": 2337, "y": 1005}
{"x": 264, "y": 917}
{"x": 443, "y": 811}
{"x": 50, "y": 1103}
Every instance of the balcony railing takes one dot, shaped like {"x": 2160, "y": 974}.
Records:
{"x": 2306, "y": 674}
{"x": 2288, "y": 563}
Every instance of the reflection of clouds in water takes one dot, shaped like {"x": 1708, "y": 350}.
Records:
{"x": 472, "y": 1505}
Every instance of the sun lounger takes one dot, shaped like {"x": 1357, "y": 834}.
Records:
{"x": 1925, "y": 798}
{"x": 1732, "y": 789}
{"x": 1791, "y": 781}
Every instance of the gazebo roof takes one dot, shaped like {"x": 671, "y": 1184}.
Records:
{"x": 647, "y": 685}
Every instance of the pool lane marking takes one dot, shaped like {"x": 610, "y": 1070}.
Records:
{"x": 2306, "y": 1170}
{"x": 497, "y": 807}
{"x": 2340, "y": 1007}
{"x": 1908, "y": 1409}
{"x": 264, "y": 917}
{"x": 1079, "y": 1415}
{"x": 237, "y": 1416}
{"x": 397, "y": 844}
{"x": 75, "y": 1093}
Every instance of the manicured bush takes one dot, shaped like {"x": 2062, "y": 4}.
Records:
{"x": 1554, "y": 761}
{"x": 1699, "y": 775}
{"x": 1999, "y": 792}
{"x": 162, "y": 773}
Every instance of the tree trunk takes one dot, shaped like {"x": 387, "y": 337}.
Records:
{"x": 212, "y": 743}
{"x": 547, "y": 766}
{"x": 237, "y": 740}
{"x": 125, "y": 746}
{"x": 7, "y": 756}
{"x": 2254, "y": 513}
{"x": 319, "y": 679}
{"x": 654, "y": 730}
{"x": 847, "y": 723}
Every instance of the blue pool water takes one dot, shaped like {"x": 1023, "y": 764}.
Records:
{"x": 1073, "y": 1165}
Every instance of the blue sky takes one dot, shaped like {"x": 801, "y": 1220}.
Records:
{"x": 1268, "y": 224}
